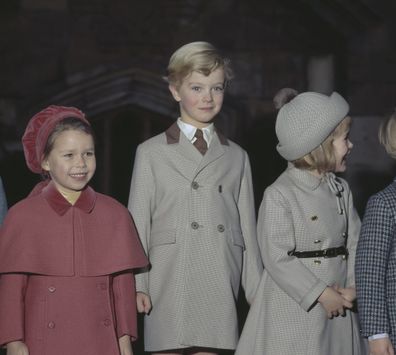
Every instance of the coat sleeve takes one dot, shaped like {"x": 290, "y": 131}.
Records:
{"x": 252, "y": 265}
{"x": 125, "y": 304}
{"x": 276, "y": 238}
{"x": 372, "y": 258}
{"x": 12, "y": 309}
{"x": 353, "y": 237}
{"x": 3, "y": 203}
{"x": 139, "y": 204}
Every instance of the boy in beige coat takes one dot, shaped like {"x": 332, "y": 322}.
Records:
{"x": 192, "y": 201}
{"x": 307, "y": 231}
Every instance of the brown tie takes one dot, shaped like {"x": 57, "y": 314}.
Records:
{"x": 200, "y": 142}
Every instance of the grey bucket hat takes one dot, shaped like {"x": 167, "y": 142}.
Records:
{"x": 306, "y": 121}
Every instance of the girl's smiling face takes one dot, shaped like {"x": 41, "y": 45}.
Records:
{"x": 342, "y": 147}
{"x": 71, "y": 163}
{"x": 200, "y": 97}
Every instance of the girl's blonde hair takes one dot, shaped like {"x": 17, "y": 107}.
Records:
{"x": 387, "y": 135}
{"x": 201, "y": 57}
{"x": 323, "y": 157}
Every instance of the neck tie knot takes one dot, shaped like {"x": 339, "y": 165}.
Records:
{"x": 200, "y": 142}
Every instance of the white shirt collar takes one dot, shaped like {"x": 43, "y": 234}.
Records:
{"x": 189, "y": 131}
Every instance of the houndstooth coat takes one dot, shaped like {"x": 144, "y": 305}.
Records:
{"x": 302, "y": 212}
{"x": 196, "y": 220}
{"x": 376, "y": 265}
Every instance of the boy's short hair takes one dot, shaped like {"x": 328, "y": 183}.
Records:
{"x": 387, "y": 135}
{"x": 201, "y": 57}
{"x": 323, "y": 157}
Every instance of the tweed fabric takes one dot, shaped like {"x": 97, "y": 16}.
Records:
{"x": 195, "y": 217}
{"x": 306, "y": 121}
{"x": 299, "y": 211}
{"x": 376, "y": 265}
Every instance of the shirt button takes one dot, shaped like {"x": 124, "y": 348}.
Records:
{"x": 194, "y": 225}
{"x": 344, "y": 235}
{"x": 52, "y": 289}
{"x": 195, "y": 185}
{"x": 317, "y": 262}
{"x": 51, "y": 325}
{"x": 316, "y": 241}
{"x": 220, "y": 228}
{"x": 107, "y": 322}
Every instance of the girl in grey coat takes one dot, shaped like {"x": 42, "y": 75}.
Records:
{"x": 307, "y": 231}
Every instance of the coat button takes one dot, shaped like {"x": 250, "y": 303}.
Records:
{"x": 194, "y": 225}
{"x": 344, "y": 235}
{"x": 316, "y": 241}
{"x": 51, "y": 289}
{"x": 195, "y": 185}
{"x": 107, "y": 322}
{"x": 317, "y": 262}
{"x": 220, "y": 228}
{"x": 51, "y": 325}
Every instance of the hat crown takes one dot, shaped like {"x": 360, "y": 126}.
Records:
{"x": 38, "y": 130}
{"x": 306, "y": 121}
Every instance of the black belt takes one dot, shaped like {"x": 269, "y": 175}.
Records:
{"x": 325, "y": 253}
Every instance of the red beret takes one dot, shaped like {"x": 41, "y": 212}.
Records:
{"x": 38, "y": 130}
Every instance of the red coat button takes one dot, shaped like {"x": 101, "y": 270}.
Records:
{"x": 51, "y": 289}
{"x": 107, "y": 322}
{"x": 51, "y": 325}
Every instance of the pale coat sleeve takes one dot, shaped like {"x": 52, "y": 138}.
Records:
{"x": 125, "y": 305}
{"x": 353, "y": 237}
{"x": 252, "y": 264}
{"x": 140, "y": 204}
{"x": 276, "y": 237}
{"x": 12, "y": 308}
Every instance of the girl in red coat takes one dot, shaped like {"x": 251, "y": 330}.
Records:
{"x": 67, "y": 252}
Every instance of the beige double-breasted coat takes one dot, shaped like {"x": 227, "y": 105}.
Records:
{"x": 195, "y": 217}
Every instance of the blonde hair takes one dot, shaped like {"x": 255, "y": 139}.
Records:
{"x": 201, "y": 57}
{"x": 323, "y": 157}
{"x": 387, "y": 135}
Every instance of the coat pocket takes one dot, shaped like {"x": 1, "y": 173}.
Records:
{"x": 162, "y": 237}
{"x": 237, "y": 238}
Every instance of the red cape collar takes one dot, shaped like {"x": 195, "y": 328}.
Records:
{"x": 60, "y": 205}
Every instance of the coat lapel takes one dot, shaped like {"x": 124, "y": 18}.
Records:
{"x": 194, "y": 161}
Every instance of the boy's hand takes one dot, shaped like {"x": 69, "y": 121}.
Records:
{"x": 143, "y": 302}
{"x": 125, "y": 345}
{"x": 381, "y": 346}
{"x": 17, "y": 348}
{"x": 333, "y": 302}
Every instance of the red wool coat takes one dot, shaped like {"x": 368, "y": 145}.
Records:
{"x": 66, "y": 285}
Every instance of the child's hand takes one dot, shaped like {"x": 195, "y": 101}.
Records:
{"x": 17, "y": 348}
{"x": 333, "y": 302}
{"x": 381, "y": 346}
{"x": 125, "y": 345}
{"x": 349, "y": 293}
{"x": 143, "y": 302}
